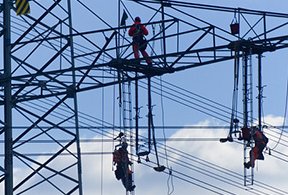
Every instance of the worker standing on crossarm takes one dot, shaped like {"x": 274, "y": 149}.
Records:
{"x": 138, "y": 31}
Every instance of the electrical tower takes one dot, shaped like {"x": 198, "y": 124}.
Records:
{"x": 48, "y": 61}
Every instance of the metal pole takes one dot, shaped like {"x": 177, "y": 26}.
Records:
{"x": 7, "y": 100}
{"x": 136, "y": 114}
{"x": 163, "y": 32}
{"x": 259, "y": 91}
{"x": 118, "y": 32}
{"x": 245, "y": 91}
{"x": 149, "y": 113}
{"x": 79, "y": 163}
{"x": 245, "y": 108}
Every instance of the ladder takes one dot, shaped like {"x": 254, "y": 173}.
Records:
{"x": 128, "y": 122}
{"x": 248, "y": 111}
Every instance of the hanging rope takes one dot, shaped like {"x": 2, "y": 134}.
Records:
{"x": 170, "y": 176}
{"x": 235, "y": 95}
{"x": 285, "y": 114}
{"x": 113, "y": 120}
{"x": 102, "y": 137}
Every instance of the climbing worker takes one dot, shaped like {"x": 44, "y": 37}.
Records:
{"x": 256, "y": 152}
{"x": 123, "y": 172}
{"x": 138, "y": 31}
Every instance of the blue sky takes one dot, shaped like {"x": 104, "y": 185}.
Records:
{"x": 213, "y": 82}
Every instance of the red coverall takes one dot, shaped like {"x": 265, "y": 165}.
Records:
{"x": 138, "y": 34}
{"x": 256, "y": 152}
{"x": 120, "y": 157}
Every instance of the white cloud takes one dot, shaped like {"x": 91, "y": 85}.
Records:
{"x": 230, "y": 155}
{"x": 200, "y": 160}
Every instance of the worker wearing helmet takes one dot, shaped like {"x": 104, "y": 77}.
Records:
{"x": 138, "y": 31}
{"x": 256, "y": 152}
{"x": 122, "y": 162}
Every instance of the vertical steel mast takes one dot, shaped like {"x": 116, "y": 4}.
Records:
{"x": 7, "y": 100}
{"x": 77, "y": 134}
{"x": 247, "y": 109}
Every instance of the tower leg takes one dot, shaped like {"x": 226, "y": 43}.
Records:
{"x": 8, "y": 101}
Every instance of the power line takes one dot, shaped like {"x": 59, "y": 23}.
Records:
{"x": 105, "y": 135}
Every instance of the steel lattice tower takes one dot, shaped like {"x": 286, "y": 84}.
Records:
{"x": 44, "y": 63}
{"x": 20, "y": 53}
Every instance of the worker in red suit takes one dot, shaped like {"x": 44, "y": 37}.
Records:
{"x": 122, "y": 162}
{"x": 256, "y": 152}
{"x": 138, "y": 31}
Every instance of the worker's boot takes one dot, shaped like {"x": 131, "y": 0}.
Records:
{"x": 247, "y": 165}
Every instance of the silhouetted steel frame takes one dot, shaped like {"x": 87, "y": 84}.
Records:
{"x": 275, "y": 43}
{"x": 278, "y": 45}
{"x": 8, "y": 102}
